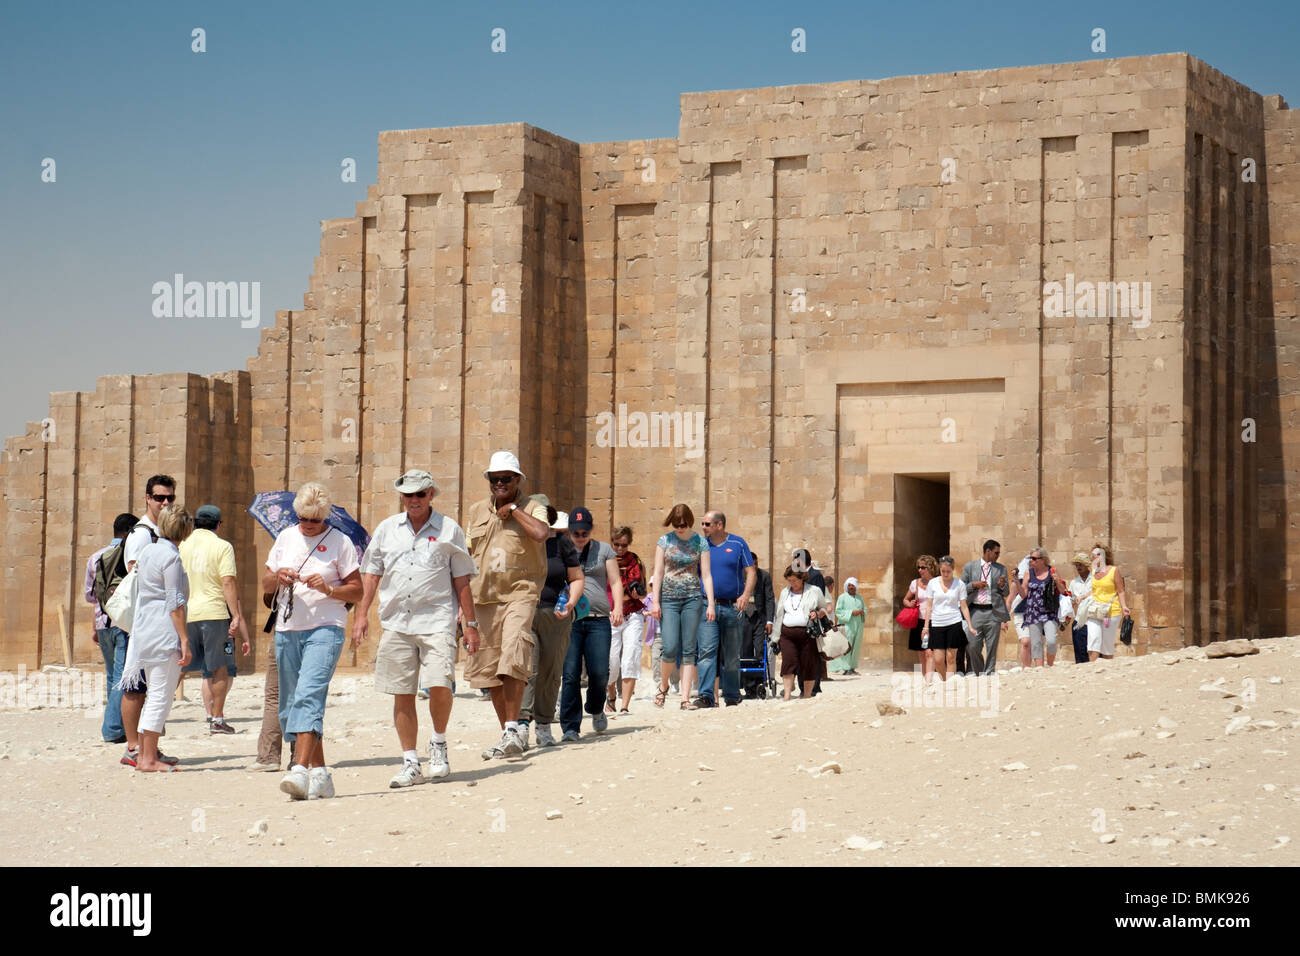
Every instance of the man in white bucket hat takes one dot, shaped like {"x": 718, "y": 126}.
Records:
{"x": 507, "y": 540}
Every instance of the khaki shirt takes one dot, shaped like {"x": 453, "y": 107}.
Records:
{"x": 415, "y": 569}
{"x": 512, "y": 566}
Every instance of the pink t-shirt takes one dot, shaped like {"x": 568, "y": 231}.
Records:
{"x": 333, "y": 557}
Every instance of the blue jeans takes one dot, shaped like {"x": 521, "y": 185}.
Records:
{"x": 678, "y": 627}
{"x": 112, "y": 644}
{"x": 727, "y": 626}
{"x": 306, "y": 662}
{"x": 589, "y": 639}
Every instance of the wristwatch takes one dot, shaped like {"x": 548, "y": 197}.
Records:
{"x": 513, "y": 507}
{"x": 473, "y": 624}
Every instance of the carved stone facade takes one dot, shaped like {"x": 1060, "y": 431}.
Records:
{"x": 847, "y": 281}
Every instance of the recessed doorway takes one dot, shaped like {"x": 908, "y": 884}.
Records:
{"x": 920, "y": 527}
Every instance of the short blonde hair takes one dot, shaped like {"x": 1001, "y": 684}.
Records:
{"x": 312, "y": 501}
{"x": 175, "y": 523}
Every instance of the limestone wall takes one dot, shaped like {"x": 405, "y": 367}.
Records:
{"x": 844, "y": 281}
{"x": 69, "y": 477}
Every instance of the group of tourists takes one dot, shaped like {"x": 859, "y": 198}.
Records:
{"x": 540, "y": 607}
{"x": 542, "y": 610}
{"x": 960, "y": 620}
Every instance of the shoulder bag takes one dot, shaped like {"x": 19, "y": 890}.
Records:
{"x": 121, "y": 605}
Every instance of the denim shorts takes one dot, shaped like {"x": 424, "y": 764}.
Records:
{"x": 306, "y": 662}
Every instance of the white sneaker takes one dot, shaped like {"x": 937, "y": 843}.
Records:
{"x": 511, "y": 745}
{"x": 439, "y": 766}
{"x": 321, "y": 786}
{"x": 295, "y": 784}
{"x": 497, "y": 750}
{"x": 408, "y": 776}
{"x": 523, "y": 734}
{"x": 544, "y": 738}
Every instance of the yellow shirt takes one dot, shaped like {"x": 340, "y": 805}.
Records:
{"x": 1103, "y": 592}
{"x": 512, "y": 566}
{"x": 207, "y": 559}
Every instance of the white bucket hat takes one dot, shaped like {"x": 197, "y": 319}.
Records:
{"x": 503, "y": 461}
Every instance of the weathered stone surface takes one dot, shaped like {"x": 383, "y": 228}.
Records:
{"x": 809, "y": 297}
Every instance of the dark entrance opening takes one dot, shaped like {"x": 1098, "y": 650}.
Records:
{"x": 920, "y": 527}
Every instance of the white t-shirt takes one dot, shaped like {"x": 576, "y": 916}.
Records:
{"x": 333, "y": 557}
{"x": 138, "y": 540}
{"x": 945, "y": 606}
{"x": 792, "y": 604}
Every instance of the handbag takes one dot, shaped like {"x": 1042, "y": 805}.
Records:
{"x": 121, "y": 605}
{"x": 833, "y": 643}
{"x": 1065, "y": 610}
{"x": 1126, "y": 631}
{"x": 909, "y": 617}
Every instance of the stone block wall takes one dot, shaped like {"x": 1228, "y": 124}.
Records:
{"x": 70, "y": 476}
{"x": 844, "y": 283}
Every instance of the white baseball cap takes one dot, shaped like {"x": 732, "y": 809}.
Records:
{"x": 503, "y": 461}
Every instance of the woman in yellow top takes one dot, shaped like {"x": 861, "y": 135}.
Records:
{"x": 1107, "y": 594}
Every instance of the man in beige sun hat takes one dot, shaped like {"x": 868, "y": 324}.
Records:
{"x": 419, "y": 565}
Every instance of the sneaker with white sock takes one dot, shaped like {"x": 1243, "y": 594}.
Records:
{"x": 408, "y": 776}
{"x": 321, "y": 784}
{"x": 544, "y": 737}
{"x": 295, "y": 783}
{"x": 523, "y": 733}
{"x": 497, "y": 750}
{"x": 439, "y": 765}
{"x": 511, "y": 744}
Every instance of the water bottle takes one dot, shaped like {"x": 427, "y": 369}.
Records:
{"x": 563, "y": 602}
{"x": 925, "y": 640}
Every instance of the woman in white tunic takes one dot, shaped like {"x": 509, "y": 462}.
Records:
{"x": 159, "y": 644}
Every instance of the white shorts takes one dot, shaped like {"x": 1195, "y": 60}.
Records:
{"x": 406, "y": 662}
{"x": 1101, "y": 635}
{"x": 162, "y": 680}
{"x": 625, "y": 648}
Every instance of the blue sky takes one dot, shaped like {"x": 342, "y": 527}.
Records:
{"x": 221, "y": 165}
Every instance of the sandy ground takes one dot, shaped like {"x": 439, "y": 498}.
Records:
{"x": 1134, "y": 762}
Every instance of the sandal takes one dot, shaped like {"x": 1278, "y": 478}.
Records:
{"x": 689, "y": 705}
{"x": 609, "y": 707}
{"x": 660, "y": 697}
{"x": 623, "y": 712}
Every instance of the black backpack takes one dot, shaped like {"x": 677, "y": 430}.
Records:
{"x": 111, "y": 567}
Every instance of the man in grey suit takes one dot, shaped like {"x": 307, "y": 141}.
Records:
{"x": 986, "y": 583}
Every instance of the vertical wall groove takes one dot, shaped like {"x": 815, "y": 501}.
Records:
{"x": 361, "y": 372}
{"x": 464, "y": 354}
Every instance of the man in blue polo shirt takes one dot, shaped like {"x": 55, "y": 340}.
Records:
{"x": 734, "y": 577}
